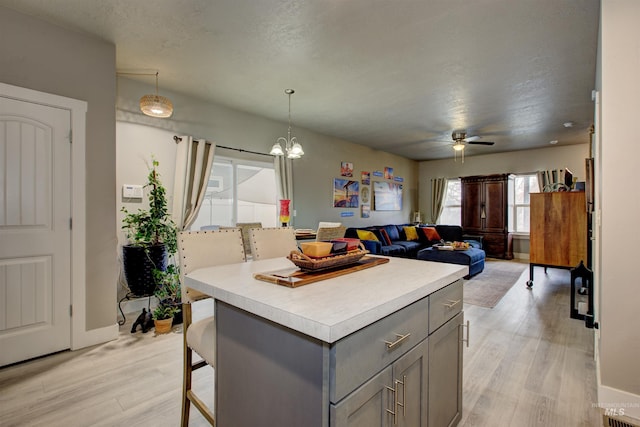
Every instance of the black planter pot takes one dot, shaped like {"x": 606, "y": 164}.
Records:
{"x": 139, "y": 263}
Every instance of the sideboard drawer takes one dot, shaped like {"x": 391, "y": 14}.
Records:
{"x": 444, "y": 304}
{"x": 359, "y": 356}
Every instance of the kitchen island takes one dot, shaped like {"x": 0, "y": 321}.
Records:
{"x": 352, "y": 350}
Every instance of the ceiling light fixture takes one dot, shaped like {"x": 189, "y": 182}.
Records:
{"x": 291, "y": 145}
{"x": 568, "y": 124}
{"x": 458, "y": 146}
{"x": 156, "y": 105}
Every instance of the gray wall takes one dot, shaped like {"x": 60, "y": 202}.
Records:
{"x": 47, "y": 58}
{"x": 313, "y": 173}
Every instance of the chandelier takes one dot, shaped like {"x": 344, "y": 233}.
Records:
{"x": 291, "y": 145}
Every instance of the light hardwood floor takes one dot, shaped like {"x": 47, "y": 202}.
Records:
{"x": 528, "y": 364}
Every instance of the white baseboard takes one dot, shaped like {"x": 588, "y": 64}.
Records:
{"x": 521, "y": 255}
{"x": 133, "y": 307}
{"x": 94, "y": 336}
{"x": 619, "y": 402}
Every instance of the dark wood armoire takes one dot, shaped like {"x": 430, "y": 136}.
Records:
{"x": 485, "y": 212}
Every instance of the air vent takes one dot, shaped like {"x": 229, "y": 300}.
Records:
{"x": 609, "y": 421}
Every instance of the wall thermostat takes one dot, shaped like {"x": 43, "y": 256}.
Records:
{"x": 130, "y": 191}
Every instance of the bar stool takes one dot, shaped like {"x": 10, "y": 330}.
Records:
{"x": 198, "y": 249}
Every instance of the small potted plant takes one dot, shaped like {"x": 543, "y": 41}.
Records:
{"x": 168, "y": 289}
{"x": 163, "y": 317}
{"x": 152, "y": 236}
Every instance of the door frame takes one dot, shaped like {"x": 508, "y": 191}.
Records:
{"x": 80, "y": 337}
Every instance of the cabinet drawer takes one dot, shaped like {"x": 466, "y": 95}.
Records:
{"x": 359, "y": 356}
{"x": 444, "y": 304}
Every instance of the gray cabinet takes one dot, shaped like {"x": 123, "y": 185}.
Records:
{"x": 393, "y": 397}
{"x": 445, "y": 368}
{"x": 402, "y": 370}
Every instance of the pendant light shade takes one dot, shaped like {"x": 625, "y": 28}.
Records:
{"x": 156, "y": 105}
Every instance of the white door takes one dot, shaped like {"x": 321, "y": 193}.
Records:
{"x": 35, "y": 235}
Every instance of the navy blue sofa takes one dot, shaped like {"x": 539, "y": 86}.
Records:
{"x": 398, "y": 244}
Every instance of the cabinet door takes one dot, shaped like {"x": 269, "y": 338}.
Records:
{"x": 412, "y": 373}
{"x": 445, "y": 374}
{"x": 472, "y": 206}
{"x": 367, "y": 406}
{"x": 401, "y": 388}
{"x": 495, "y": 206}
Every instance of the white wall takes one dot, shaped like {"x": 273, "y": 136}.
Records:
{"x": 620, "y": 295}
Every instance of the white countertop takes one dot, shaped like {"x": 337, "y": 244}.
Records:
{"x": 330, "y": 309}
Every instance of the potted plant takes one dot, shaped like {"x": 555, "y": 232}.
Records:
{"x": 152, "y": 236}
{"x": 168, "y": 289}
{"x": 163, "y": 317}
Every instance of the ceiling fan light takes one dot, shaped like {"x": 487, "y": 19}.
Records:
{"x": 276, "y": 150}
{"x": 156, "y": 106}
{"x": 458, "y": 146}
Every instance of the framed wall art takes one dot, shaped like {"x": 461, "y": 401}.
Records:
{"x": 387, "y": 196}
{"x": 345, "y": 193}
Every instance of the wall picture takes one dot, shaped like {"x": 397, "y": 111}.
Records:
{"x": 365, "y": 178}
{"x": 345, "y": 193}
{"x": 388, "y": 173}
{"x": 387, "y": 196}
{"x": 364, "y": 194}
{"x": 346, "y": 169}
{"x": 365, "y": 211}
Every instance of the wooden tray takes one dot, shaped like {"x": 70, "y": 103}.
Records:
{"x": 304, "y": 277}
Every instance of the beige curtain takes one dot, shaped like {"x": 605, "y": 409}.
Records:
{"x": 438, "y": 188}
{"x": 194, "y": 159}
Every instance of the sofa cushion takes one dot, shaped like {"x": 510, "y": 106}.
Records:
{"x": 410, "y": 233}
{"x": 367, "y": 235}
{"x": 393, "y": 250}
{"x": 430, "y": 234}
{"x": 392, "y": 231}
{"x": 384, "y": 237}
{"x": 410, "y": 246}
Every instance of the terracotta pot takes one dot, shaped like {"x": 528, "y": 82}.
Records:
{"x": 163, "y": 326}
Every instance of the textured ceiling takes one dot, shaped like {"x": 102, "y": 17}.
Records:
{"x": 396, "y": 75}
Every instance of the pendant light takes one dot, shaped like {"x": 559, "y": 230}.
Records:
{"x": 291, "y": 145}
{"x": 156, "y": 105}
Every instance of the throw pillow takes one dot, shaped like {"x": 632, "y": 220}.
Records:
{"x": 385, "y": 237}
{"x": 366, "y": 235}
{"x": 430, "y": 233}
{"x": 411, "y": 233}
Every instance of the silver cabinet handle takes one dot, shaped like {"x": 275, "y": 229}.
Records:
{"x": 466, "y": 339}
{"x": 396, "y": 401}
{"x": 401, "y": 338}
{"x": 451, "y": 304}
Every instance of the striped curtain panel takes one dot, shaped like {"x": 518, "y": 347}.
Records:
{"x": 438, "y": 189}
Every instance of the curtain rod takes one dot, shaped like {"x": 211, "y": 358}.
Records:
{"x": 178, "y": 139}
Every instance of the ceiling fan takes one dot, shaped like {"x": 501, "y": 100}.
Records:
{"x": 459, "y": 139}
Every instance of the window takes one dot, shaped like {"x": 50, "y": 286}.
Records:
{"x": 238, "y": 191}
{"x": 452, "y": 204}
{"x": 523, "y": 186}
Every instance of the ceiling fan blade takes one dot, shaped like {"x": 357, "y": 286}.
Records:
{"x": 481, "y": 142}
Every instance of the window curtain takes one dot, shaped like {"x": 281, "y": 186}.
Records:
{"x": 194, "y": 159}
{"x": 284, "y": 177}
{"x": 438, "y": 188}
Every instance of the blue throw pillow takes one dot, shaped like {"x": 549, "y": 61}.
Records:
{"x": 392, "y": 231}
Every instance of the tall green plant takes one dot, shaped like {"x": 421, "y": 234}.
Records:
{"x": 153, "y": 226}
